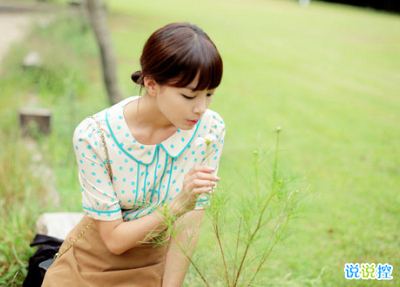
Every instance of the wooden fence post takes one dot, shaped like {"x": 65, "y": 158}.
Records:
{"x": 31, "y": 118}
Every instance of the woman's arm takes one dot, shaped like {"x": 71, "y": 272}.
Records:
{"x": 119, "y": 236}
{"x": 176, "y": 263}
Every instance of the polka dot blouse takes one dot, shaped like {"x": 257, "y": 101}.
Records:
{"x": 144, "y": 176}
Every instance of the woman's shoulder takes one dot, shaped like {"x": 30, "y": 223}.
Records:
{"x": 88, "y": 130}
{"x": 89, "y": 127}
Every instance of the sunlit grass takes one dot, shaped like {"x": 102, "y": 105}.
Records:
{"x": 328, "y": 75}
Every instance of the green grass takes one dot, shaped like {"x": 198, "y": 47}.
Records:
{"x": 327, "y": 74}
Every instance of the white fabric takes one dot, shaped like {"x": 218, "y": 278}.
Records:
{"x": 145, "y": 176}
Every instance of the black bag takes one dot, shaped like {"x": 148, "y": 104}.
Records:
{"x": 42, "y": 259}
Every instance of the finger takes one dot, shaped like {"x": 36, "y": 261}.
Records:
{"x": 202, "y": 190}
{"x": 204, "y": 183}
{"x": 206, "y": 176}
{"x": 200, "y": 172}
{"x": 203, "y": 168}
{"x": 201, "y": 176}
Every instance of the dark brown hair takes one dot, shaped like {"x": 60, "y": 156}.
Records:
{"x": 175, "y": 54}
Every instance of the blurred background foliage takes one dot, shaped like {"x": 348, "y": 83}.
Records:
{"x": 388, "y": 5}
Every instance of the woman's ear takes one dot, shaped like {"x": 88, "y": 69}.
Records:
{"x": 151, "y": 86}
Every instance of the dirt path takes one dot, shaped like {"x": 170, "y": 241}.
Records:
{"x": 12, "y": 29}
{"x": 16, "y": 19}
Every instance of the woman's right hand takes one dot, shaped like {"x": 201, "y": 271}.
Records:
{"x": 197, "y": 181}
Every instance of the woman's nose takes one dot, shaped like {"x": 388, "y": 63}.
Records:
{"x": 200, "y": 105}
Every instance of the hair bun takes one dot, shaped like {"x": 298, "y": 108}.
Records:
{"x": 137, "y": 77}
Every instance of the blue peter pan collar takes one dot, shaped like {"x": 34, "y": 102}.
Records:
{"x": 174, "y": 146}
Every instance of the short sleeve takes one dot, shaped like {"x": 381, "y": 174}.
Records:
{"x": 99, "y": 200}
{"x": 212, "y": 152}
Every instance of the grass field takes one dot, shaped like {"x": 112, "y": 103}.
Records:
{"x": 327, "y": 74}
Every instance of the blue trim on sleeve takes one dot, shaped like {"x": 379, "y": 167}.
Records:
{"x": 130, "y": 212}
{"x": 144, "y": 208}
{"x": 98, "y": 211}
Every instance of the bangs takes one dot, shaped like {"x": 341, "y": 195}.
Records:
{"x": 178, "y": 53}
{"x": 201, "y": 59}
{"x": 204, "y": 61}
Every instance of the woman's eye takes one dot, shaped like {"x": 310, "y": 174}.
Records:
{"x": 210, "y": 95}
{"x": 187, "y": 97}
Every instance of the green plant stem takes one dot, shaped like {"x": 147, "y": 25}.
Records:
{"x": 237, "y": 245}
{"x": 274, "y": 174}
{"x": 15, "y": 276}
{"x": 253, "y": 235}
{"x": 242, "y": 262}
{"x": 17, "y": 258}
{"x": 270, "y": 250}
{"x": 259, "y": 223}
{"x": 216, "y": 229}
{"x": 256, "y": 176}
{"x": 190, "y": 259}
{"x": 276, "y": 240}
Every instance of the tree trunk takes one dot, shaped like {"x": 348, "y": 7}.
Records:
{"x": 97, "y": 18}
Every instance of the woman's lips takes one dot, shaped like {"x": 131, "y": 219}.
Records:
{"x": 193, "y": 122}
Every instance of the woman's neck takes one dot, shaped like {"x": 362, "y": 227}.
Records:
{"x": 146, "y": 122}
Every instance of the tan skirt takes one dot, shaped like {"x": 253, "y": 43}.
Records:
{"x": 89, "y": 263}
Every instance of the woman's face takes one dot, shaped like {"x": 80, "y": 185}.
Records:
{"x": 183, "y": 107}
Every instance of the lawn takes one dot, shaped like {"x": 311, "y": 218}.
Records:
{"x": 327, "y": 74}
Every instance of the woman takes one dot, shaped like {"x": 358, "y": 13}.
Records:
{"x": 140, "y": 169}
